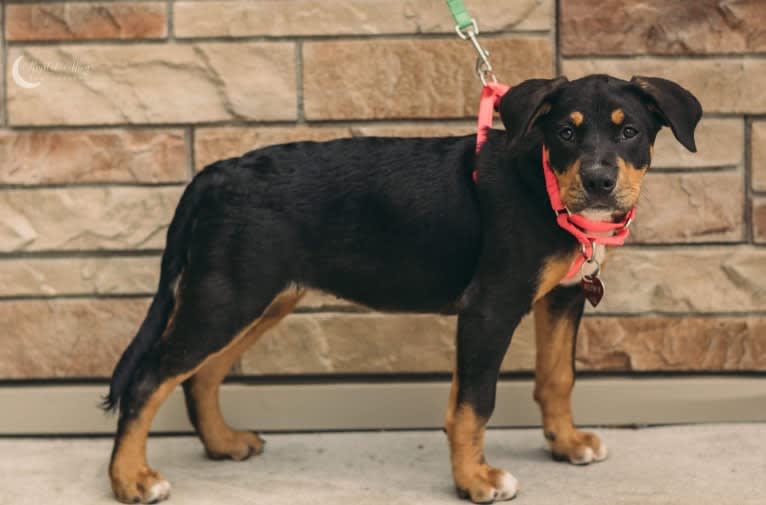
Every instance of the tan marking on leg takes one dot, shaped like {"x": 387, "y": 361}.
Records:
{"x": 219, "y": 439}
{"x": 474, "y": 478}
{"x": 618, "y": 116}
{"x": 577, "y": 118}
{"x": 176, "y": 288}
{"x": 129, "y": 472}
{"x": 553, "y": 272}
{"x": 554, "y": 380}
{"x": 452, "y": 404}
{"x": 629, "y": 179}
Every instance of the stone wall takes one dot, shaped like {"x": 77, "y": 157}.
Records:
{"x": 135, "y": 96}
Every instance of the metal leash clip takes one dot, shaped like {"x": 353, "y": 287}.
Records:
{"x": 584, "y": 251}
{"x": 483, "y": 68}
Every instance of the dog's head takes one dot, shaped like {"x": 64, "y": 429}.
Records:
{"x": 599, "y": 132}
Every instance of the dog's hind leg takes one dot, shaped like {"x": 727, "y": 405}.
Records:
{"x": 201, "y": 390}
{"x": 208, "y": 328}
{"x": 557, "y": 316}
{"x": 131, "y": 478}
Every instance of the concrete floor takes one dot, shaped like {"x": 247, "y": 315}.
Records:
{"x": 698, "y": 465}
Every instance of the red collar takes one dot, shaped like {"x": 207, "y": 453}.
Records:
{"x": 588, "y": 233}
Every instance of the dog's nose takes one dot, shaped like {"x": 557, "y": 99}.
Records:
{"x": 600, "y": 181}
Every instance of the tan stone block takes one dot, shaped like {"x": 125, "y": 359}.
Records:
{"x": 682, "y": 280}
{"x": 672, "y": 343}
{"x": 150, "y": 83}
{"x": 212, "y": 144}
{"x": 410, "y": 78}
{"x": 81, "y": 20}
{"x": 369, "y": 343}
{"x": 759, "y": 220}
{"x": 758, "y": 162}
{"x": 662, "y": 27}
{"x": 2, "y": 72}
{"x": 719, "y": 144}
{"x": 377, "y": 343}
{"x": 66, "y": 338}
{"x": 79, "y": 276}
{"x": 115, "y": 275}
{"x": 418, "y": 130}
{"x": 354, "y": 17}
{"x": 732, "y": 85}
{"x": 85, "y": 218}
{"x": 66, "y": 156}
{"x": 84, "y": 338}
{"x": 691, "y": 207}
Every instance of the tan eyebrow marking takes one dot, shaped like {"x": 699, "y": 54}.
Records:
{"x": 618, "y": 116}
{"x": 577, "y": 118}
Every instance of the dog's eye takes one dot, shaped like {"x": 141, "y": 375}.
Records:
{"x": 629, "y": 132}
{"x": 566, "y": 134}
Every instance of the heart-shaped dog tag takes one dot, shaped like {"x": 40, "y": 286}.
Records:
{"x": 593, "y": 288}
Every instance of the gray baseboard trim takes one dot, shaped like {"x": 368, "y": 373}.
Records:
{"x": 72, "y": 409}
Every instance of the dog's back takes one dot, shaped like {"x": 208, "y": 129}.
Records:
{"x": 382, "y": 221}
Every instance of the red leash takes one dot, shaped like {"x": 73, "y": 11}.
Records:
{"x": 587, "y": 232}
{"x": 491, "y": 94}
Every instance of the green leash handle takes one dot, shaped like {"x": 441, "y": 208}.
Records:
{"x": 462, "y": 19}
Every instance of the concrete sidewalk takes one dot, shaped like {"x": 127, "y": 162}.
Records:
{"x": 696, "y": 465}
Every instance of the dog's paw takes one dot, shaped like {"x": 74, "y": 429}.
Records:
{"x": 237, "y": 445}
{"x": 577, "y": 447}
{"x": 487, "y": 485}
{"x": 146, "y": 486}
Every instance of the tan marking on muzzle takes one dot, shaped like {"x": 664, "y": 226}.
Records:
{"x": 570, "y": 186}
{"x": 629, "y": 180}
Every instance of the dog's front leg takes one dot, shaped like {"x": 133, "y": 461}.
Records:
{"x": 481, "y": 344}
{"x": 557, "y": 317}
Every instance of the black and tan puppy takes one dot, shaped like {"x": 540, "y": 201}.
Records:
{"x": 398, "y": 225}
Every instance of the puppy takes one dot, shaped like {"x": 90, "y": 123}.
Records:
{"x": 398, "y": 225}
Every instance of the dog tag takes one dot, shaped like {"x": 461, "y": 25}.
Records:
{"x": 593, "y": 288}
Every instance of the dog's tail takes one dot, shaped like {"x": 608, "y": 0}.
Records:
{"x": 173, "y": 263}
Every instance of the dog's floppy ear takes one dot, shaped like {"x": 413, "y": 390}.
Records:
{"x": 675, "y": 106}
{"x": 524, "y": 103}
